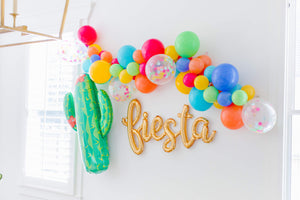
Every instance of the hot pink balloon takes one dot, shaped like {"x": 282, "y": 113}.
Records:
{"x": 114, "y": 61}
{"x": 188, "y": 79}
{"x": 143, "y": 69}
{"x": 152, "y": 47}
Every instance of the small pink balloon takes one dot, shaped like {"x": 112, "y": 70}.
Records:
{"x": 114, "y": 61}
{"x": 152, "y": 47}
{"x": 188, "y": 79}
{"x": 143, "y": 69}
{"x": 100, "y": 53}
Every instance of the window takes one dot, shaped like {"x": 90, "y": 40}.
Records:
{"x": 291, "y": 177}
{"x": 50, "y": 142}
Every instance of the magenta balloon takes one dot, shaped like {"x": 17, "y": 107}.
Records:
{"x": 188, "y": 79}
{"x": 143, "y": 69}
{"x": 152, "y": 47}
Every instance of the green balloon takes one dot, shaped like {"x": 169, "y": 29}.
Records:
{"x": 115, "y": 70}
{"x": 187, "y": 44}
{"x": 239, "y": 97}
{"x": 133, "y": 69}
{"x": 210, "y": 94}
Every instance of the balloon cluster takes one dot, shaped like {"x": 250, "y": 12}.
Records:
{"x": 154, "y": 65}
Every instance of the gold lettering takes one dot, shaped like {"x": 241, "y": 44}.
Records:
{"x": 138, "y": 136}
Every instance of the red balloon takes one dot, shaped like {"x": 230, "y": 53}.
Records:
{"x": 152, "y": 47}
{"x": 188, "y": 79}
{"x": 231, "y": 117}
{"x": 143, "y": 84}
{"x": 87, "y": 35}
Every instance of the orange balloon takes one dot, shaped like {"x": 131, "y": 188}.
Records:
{"x": 92, "y": 50}
{"x": 231, "y": 117}
{"x": 196, "y": 65}
{"x": 106, "y": 56}
{"x": 143, "y": 84}
{"x": 138, "y": 57}
{"x": 206, "y": 59}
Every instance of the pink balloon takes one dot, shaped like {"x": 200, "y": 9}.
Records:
{"x": 188, "y": 79}
{"x": 143, "y": 69}
{"x": 152, "y": 47}
{"x": 114, "y": 61}
{"x": 101, "y": 53}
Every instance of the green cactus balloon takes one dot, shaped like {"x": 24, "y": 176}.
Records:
{"x": 90, "y": 114}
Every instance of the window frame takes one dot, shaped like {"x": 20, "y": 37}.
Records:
{"x": 37, "y": 188}
{"x": 289, "y": 96}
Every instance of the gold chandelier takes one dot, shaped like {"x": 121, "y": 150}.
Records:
{"x": 24, "y": 32}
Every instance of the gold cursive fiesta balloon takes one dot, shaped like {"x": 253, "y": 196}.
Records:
{"x": 143, "y": 135}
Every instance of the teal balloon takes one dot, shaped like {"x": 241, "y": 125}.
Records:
{"x": 197, "y": 101}
{"x": 210, "y": 94}
{"x": 239, "y": 97}
{"x": 86, "y": 65}
{"x": 208, "y": 72}
{"x": 187, "y": 44}
{"x": 133, "y": 69}
{"x": 125, "y": 55}
{"x": 236, "y": 87}
{"x": 115, "y": 70}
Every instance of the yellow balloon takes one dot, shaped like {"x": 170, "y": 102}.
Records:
{"x": 170, "y": 51}
{"x": 201, "y": 82}
{"x": 249, "y": 90}
{"x": 180, "y": 85}
{"x": 97, "y": 46}
{"x": 217, "y": 105}
{"x": 125, "y": 77}
{"x": 99, "y": 71}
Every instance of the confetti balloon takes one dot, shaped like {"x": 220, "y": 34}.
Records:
{"x": 119, "y": 91}
{"x": 259, "y": 116}
{"x": 73, "y": 51}
{"x": 160, "y": 69}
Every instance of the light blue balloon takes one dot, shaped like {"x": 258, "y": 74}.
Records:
{"x": 125, "y": 55}
{"x": 86, "y": 65}
{"x": 197, "y": 101}
{"x": 208, "y": 72}
{"x": 236, "y": 87}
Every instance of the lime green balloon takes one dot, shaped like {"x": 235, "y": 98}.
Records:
{"x": 210, "y": 94}
{"x": 115, "y": 70}
{"x": 187, "y": 44}
{"x": 133, "y": 69}
{"x": 239, "y": 97}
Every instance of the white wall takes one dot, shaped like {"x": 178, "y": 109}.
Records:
{"x": 238, "y": 164}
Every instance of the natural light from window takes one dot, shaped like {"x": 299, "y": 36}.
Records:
{"x": 49, "y": 141}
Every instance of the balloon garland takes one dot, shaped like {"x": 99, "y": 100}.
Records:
{"x": 149, "y": 67}
{"x": 155, "y": 65}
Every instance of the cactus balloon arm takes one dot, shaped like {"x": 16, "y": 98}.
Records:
{"x": 69, "y": 110}
{"x": 106, "y": 112}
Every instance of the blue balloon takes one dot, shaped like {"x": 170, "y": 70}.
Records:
{"x": 95, "y": 57}
{"x": 182, "y": 65}
{"x": 86, "y": 65}
{"x": 197, "y": 101}
{"x": 208, "y": 72}
{"x": 125, "y": 55}
{"x": 225, "y": 77}
{"x": 224, "y": 99}
{"x": 236, "y": 87}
